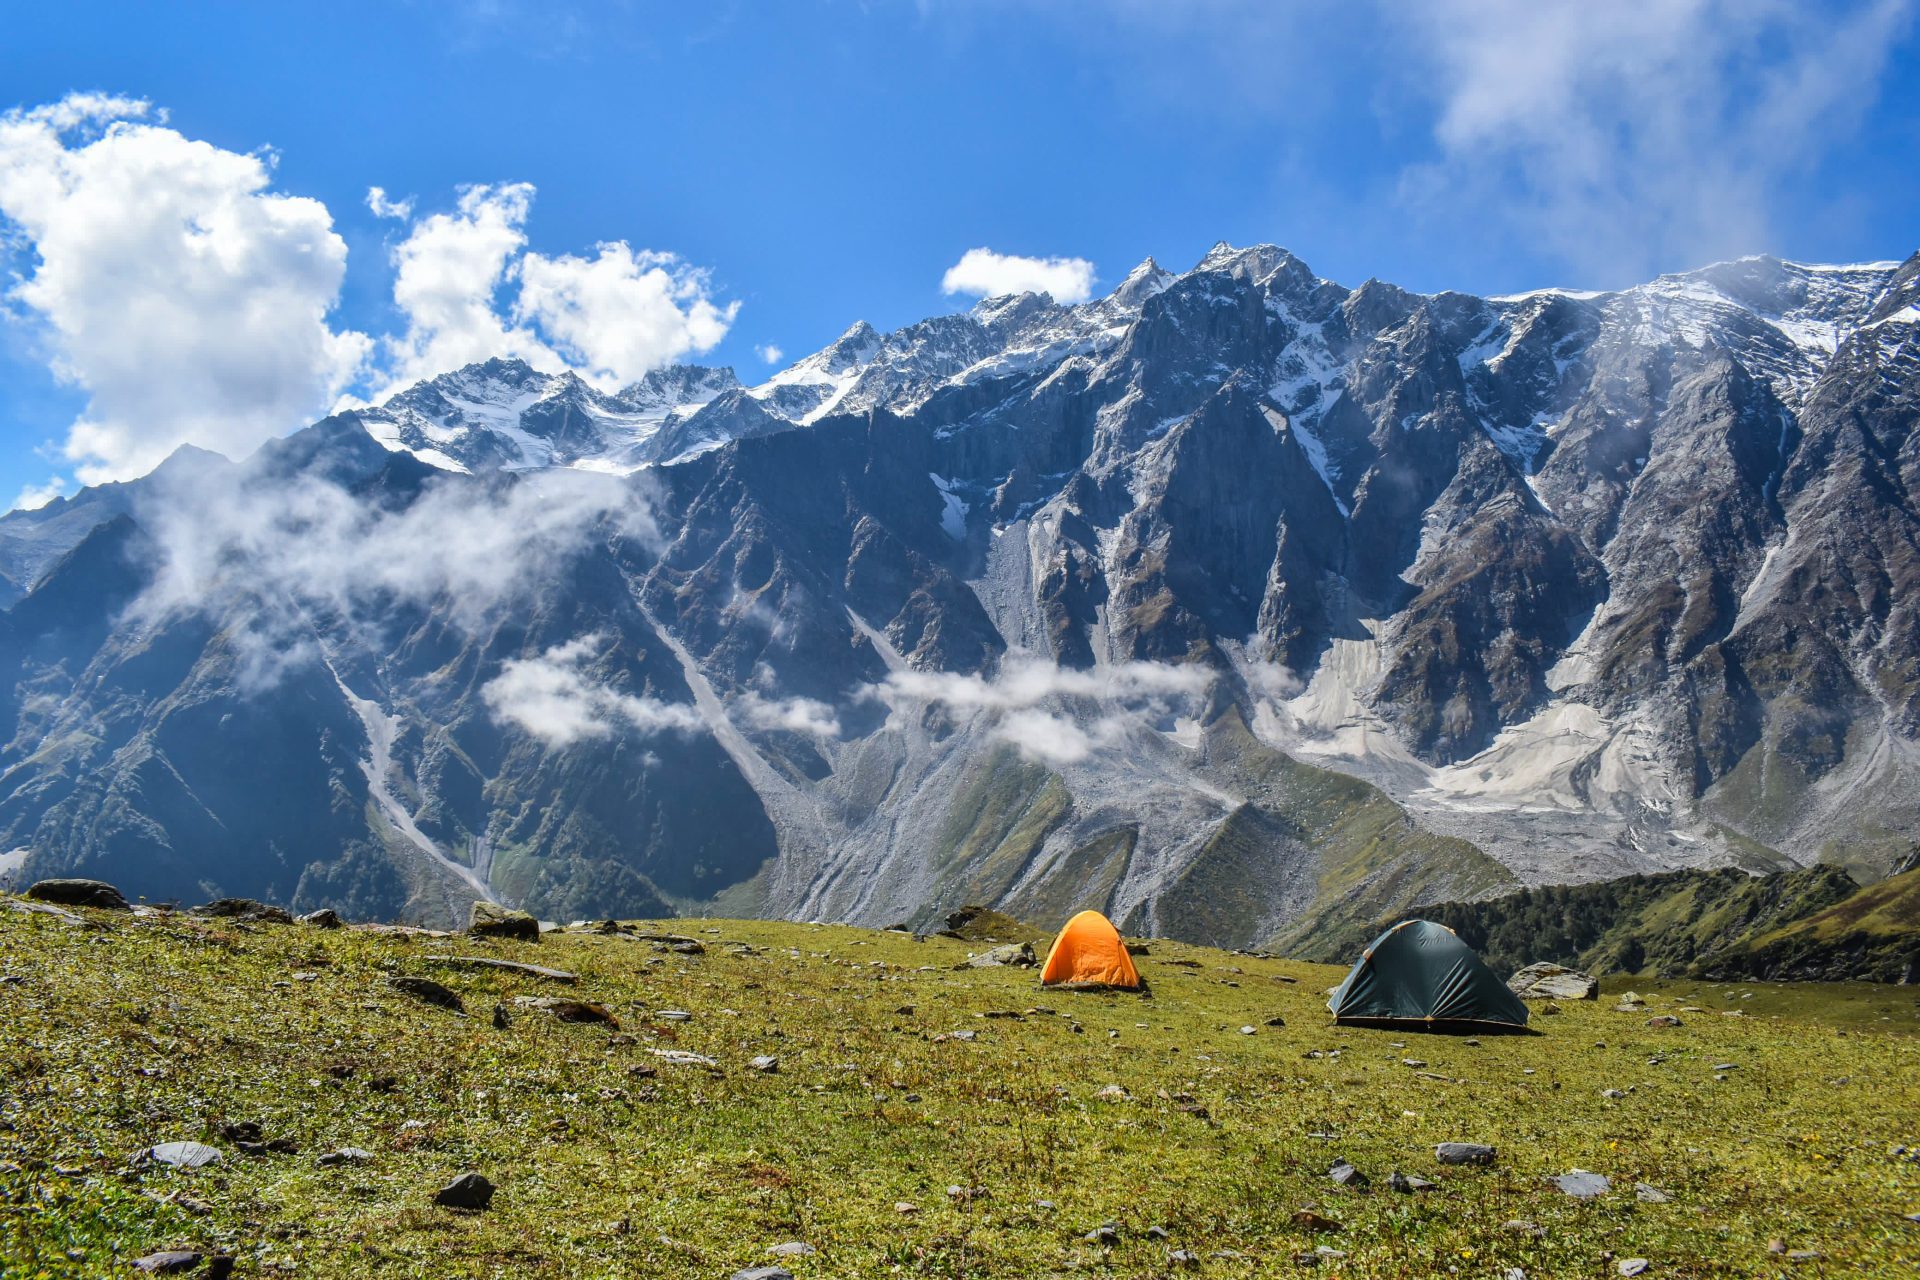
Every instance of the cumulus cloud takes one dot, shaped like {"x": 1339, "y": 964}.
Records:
{"x": 622, "y": 312}
{"x": 184, "y": 296}
{"x": 556, "y": 698}
{"x": 1638, "y": 134}
{"x": 984, "y": 273}
{"x": 1058, "y": 715}
{"x": 383, "y": 207}
{"x": 808, "y": 716}
{"x": 770, "y": 353}
{"x": 35, "y": 496}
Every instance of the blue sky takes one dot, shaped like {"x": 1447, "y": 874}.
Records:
{"x": 809, "y": 164}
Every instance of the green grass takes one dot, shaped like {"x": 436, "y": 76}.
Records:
{"x": 135, "y": 1032}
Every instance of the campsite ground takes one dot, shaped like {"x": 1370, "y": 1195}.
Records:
{"x": 891, "y": 1144}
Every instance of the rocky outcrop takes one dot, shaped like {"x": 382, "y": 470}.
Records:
{"x": 1544, "y": 980}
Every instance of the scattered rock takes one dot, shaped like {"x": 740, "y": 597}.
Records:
{"x": 1521, "y": 1226}
{"x": 1634, "y": 1266}
{"x": 1113, "y": 1093}
{"x": 1613, "y": 1093}
{"x": 792, "y": 1249}
{"x": 507, "y": 966}
{"x": 345, "y": 1155}
{"x": 1346, "y": 1175}
{"x": 426, "y": 989}
{"x": 1018, "y": 955}
{"x": 1664, "y": 1020}
{"x": 1464, "y": 1153}
{"x": 491, "y": 920}
{"x": 468, "y": 1191}
{"x": 1803, "y": 1255}
{"x": 1582, "y": 1185}
{"x": 766, "y": 1062}
{"x": 1415, "y": 1063}
{"x": 1276, "y": 1022}
{"x": 75, "y": 892}
{"x": 684, "y": 1058}
{"x": 1157, "y": 1233}
{"x": 1104, "y": 1234}
{"x": 1182, "y": 1258}
{"x": 1547, "y": 981}
{"x": 763, "y": 1273}
{"x": 1649, "y": 1194}
{"x": 168, "y": 1261}
{"x": 1406, "y": 1182}
{"x": 324, "y": 918}
{"x": 184, "y": 1155}
{"x": 673, "y": 1015}
{"x": 905, "y": 1207}
{"x": 1247, "y": 1031}
{"x": 569, "y": 1010}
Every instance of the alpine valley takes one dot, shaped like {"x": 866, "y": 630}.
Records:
{"x": 1243, "y": 605}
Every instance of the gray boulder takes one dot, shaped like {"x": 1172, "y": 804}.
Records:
{"x": 491, "y": 920}
{"x": 1015, "y": 954}
{"x": 1547, "y": 981}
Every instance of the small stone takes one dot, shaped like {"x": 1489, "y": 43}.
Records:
{"x": 1582, "y": 1185}
{"x": 905, "y": 1207}
{"x": 468, "y": 1191}
{"x": 324, "y": 918}
{"x": 76, "y": 892}
{"x": 1415, "y": 1063}
{"x": 1776, "y": 1245}
{"x": 1247, "y": 1031}
{"x": 1646, "y": 1193}
{"x": 1803, "y": 1255}
{"x": 763, "y": 1273}
{"x": 1664, "y": 1020}
{"x": 1183, "y": 1258}
{"x": 1521, "y": 1226}
{"x": 1018, "y": 955}
{"x": 491, "y": 920}
{"x": 167, "y": 1261}
{"x": 765, "y": 1063}
{"x": 1725, "y": 1066}
{"x": 792, "y": 1249}
{"x": 684, "y": 1058}
{"x": 1464, "y": 1153}
{"x": 1634, "y": 1266}
{"x": 1409, "y": 1183}
{"x": 569, "y": 1010}
{"x": 1103, "y": 1234}
{"x": 1157, "y": 1233}
{"x": 674, "y": 1015}
{"x": 1113, "y": 1093}
{"x": 1613, "y": 1093}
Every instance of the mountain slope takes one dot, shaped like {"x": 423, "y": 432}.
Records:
{"x": 1244, "y": 603}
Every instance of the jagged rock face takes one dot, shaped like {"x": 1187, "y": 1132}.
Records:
{"x": 1037, "y": 606}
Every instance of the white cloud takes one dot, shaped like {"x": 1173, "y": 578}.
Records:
{"x": 555, "y": 698}
{"x": 770, "y": 353}
{"x": 984, "y": 273}
{"x": 621, "y": 313}
{"x": 807, "y": 716}
{"x": 187, "y": 299}
{"x": 446, "y": 275}
{"x": 384, "y": 208}
{"x": 1058, "y": 715}
{"x": 35, "y": 496}
{"x": 1635, "y": 135}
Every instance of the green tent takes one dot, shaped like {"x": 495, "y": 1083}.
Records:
{"x": 1419, "y": 976}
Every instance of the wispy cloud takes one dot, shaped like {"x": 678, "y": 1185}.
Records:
{"x": 558, "y": 699}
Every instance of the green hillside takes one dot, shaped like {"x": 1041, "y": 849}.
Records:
{"x": 917, "y": 1119}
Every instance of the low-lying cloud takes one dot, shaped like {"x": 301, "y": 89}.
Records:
{"x": 556, "y": 698}
{"x": 1056, "y": 715}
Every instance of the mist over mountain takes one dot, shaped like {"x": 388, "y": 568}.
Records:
{"x": 1237, "y": 603}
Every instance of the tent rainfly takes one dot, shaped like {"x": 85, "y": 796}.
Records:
{"x": 1419, "y": 976}
{"x": 1089, "y": 953}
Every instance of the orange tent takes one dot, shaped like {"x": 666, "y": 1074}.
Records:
{"x": 1089, "y": 953}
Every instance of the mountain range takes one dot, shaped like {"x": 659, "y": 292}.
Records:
{"x": 1241, "y": 604}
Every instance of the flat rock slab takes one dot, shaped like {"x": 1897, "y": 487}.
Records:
{"x": 168, "y": 1262}
{"x": 762, "y": 1273}
{"x": 685, "y": 1058}
{"x": 75, "y": 892}
{"x": 507, "y": 966}
{"x": 1582, "y": 1185}
{"x": 184, "y": 1155}
{"x": 48, "y": 909}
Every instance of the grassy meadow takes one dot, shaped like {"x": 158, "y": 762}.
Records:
{"x": 921, "y": 1120}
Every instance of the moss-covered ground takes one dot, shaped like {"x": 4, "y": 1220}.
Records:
{"x": 890, "y": 1144}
